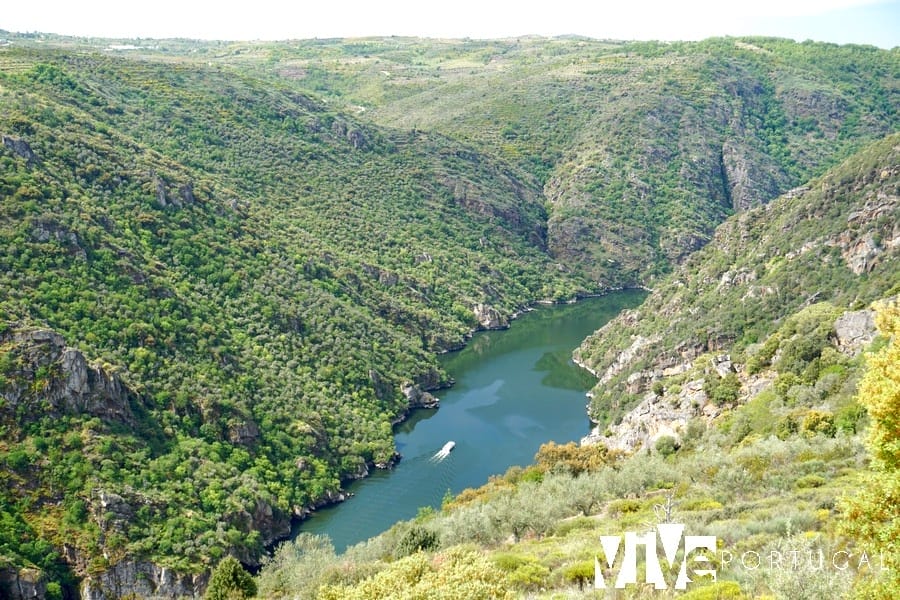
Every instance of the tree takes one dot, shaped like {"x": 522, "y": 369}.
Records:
{"x": 873, "y": 514}
{"x": 580, "y": 573}
{"x": 230, "y": 581}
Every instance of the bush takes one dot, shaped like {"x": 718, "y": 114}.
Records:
{"x": 787, "y": 426}
{"x": 416, "y": 539}
{"x": 848, "y": 418}
{"x": 722, "y": 390}
{"x": 811, "y": 481}
{"x": 297, "y": 567}
{"x": 666, "y": 445}
{"x": 721, "y": 590}
{"x": 580, "y": 573}
{"x": 524, "y": 571}
{"x": 819, "y": 421}
{"x": 572, "y": 458}
{"x": 624, "y": 506}
{"x": 230, "y": 581}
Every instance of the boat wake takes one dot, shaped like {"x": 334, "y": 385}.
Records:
{"x": 443, "y": 452}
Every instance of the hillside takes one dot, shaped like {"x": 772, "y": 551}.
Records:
{"x": 265, "y": 282}
{"x": 834, "y": 240}
{"x": 227, "y": 268}
{"x": 767, "y": 457}
{"x": 641, "y": 148}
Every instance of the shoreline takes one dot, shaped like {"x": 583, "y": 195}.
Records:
{"x": 297, "y": 517}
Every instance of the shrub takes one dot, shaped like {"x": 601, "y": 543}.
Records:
{"x": 848, "y": 418}
{"x": 298, "y": 567}
{"x": 416, "y": 539}
{"x": 572, "y": 458}
{"x": 667, "y": 445}
{"x": 230, "y": 581}
{"x": 721, "y": 590}
{"x": 819, "y": 421}
{"x": 811, "y": 481}
{"x": 722, "y": 390}
{"x": 580, "y": 573}
{"x": 787, "y": 426}
{"x": 624, "y": 506}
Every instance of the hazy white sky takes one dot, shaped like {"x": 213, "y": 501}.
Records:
{"x": 842, "y": 21}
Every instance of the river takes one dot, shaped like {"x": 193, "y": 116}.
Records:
{"x": 515, "y": 390}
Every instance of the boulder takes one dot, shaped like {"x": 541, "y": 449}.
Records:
{"x": 489, "y": 317}
{"x": 416, "y": 398}
{"x": 245, "y": 433}
{"x": 854, "y": 330}
{"x": 20, "y": 148}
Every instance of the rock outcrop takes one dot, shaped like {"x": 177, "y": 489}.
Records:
{"x": 655, "y": 417}
{"x": 416, "y": 398}
{"x": 863, "y": 247}
{"x": 749, "y": 176}
{"x": 182, "y": 196}
{"x": 142, "y": 579}
{"x": 854, "y": 330}
{"x": 22, "y": 584}
{"x": 668, "y": 414}
{"x": 489, "y": 317}
{"x": 626, "y": 357}
{"x": 20, "y": 148}
{"x": 62, "y": 379}
{"x": 245, "y": 433}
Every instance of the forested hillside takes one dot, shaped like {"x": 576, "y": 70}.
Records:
{"x": 833, "y": 241}
{"x": 267, "y": 281}
{"x": 226, "y": 268}
{"x": 641, "y": 148}
{"x": 762, "y": 445}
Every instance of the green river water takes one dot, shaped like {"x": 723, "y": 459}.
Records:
{"x": 515, "y": 390}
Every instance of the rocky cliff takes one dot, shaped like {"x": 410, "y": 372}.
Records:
{"x": 46, "y": 374}
{"x": 141, "y": 579}
{"x": 670, "y": 410}
{"x": 22, "y": 584}
{"x": 42, "y": 377}
{"x": 834, "y": 240}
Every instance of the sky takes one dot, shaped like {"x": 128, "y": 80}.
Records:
{"x": 875, "y": 22}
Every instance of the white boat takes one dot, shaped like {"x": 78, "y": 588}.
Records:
{"x": 444, "y": 452}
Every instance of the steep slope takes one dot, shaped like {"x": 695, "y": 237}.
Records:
{"x": 642, "y": 148}
{"x": 763, "y": 470}
{"x": 219, "y": 292}
{"x": 265, "y": 280}
{"x": 835, "y": 240}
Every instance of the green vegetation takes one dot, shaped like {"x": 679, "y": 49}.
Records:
{"x": 642, "y": 148}
{"x": 256, "y": 247}
{"x": 229, "y": 581}
{"x": 778, "y": 472}
{"x": 874, "y": 511}
{"x": 767, "y": 291}
{"x": 262, "y": 273}
{"x": 535, "y": 534}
